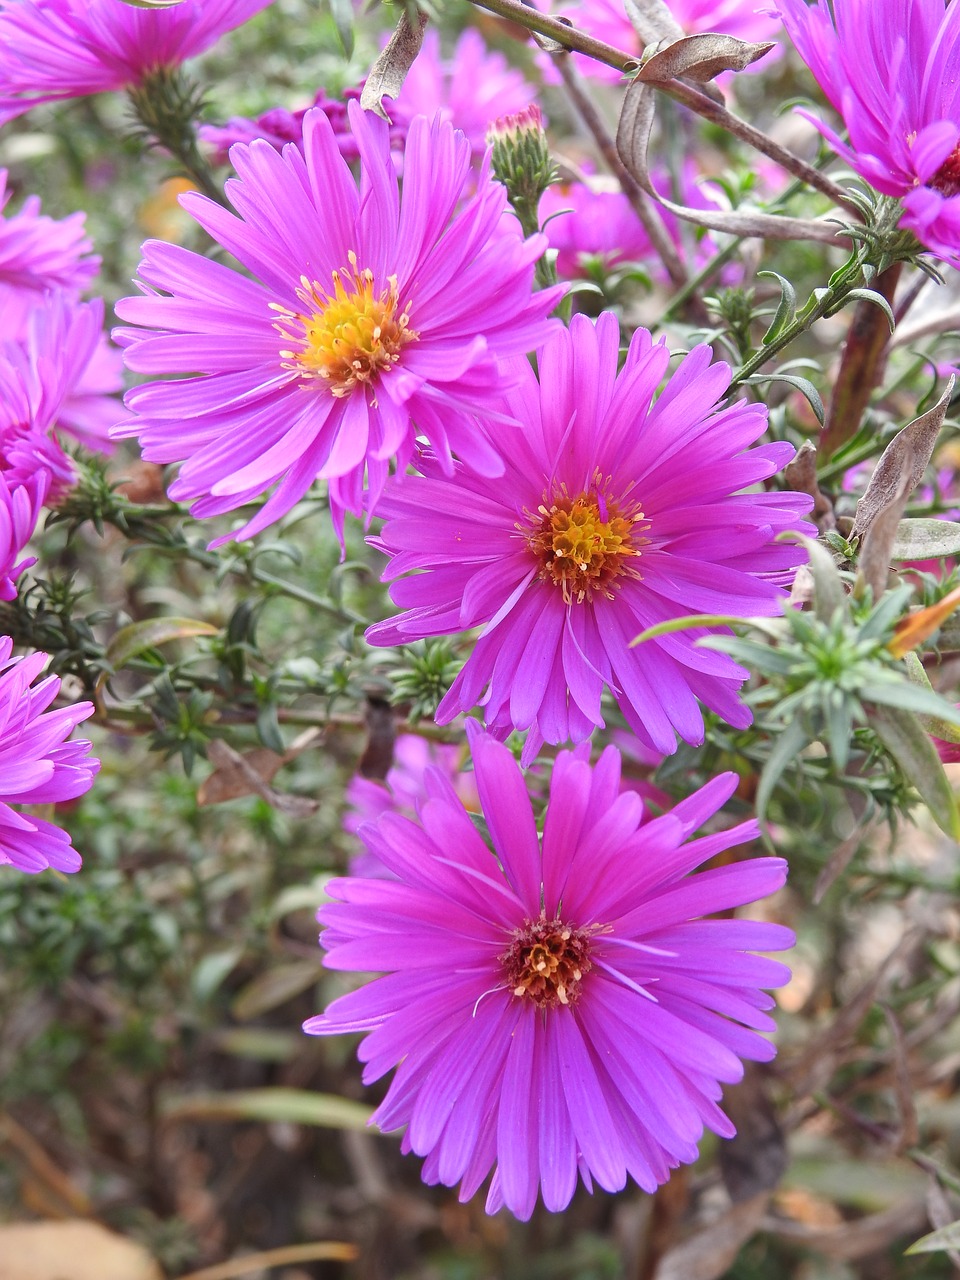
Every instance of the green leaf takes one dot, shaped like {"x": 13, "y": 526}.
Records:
{"x": 212, "y": 970}
{"x": 926, "y": 539}
{"x": 947, "y": 1237}
{"x": 905, "y": 696}
{"x": 152, "y": 4}
{"x": 909, "y": 743}
{"x": 785, "y": 310}
{"x": 803, "y": 385}
{"x": 275, "y": 987}
{"x": 343, "y": 15}
{"x": 786, "y": 748}
{"x": 829, "y": 595}
{"x": 140, "y": 636}
{"x": 871, "y": 295}
{"x": 293, "y": 1106}
{"x": 686, "y": 623}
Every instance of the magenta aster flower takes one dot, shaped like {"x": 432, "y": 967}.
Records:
{"x": 554, "y": 1007}
{"x": 403, "y": 790}
{"x": 37, "y": 763}
{"x": 607, "y": 20}
{"x": 280, "y": 126}
{"x": 37, "y": 254}
{"x": 614, "y": 513}
{"x": 888, "y": 68}
{"x": 471, "y": 89}
{"x": 51, "y": 50}
{"x": 372, "y": 318}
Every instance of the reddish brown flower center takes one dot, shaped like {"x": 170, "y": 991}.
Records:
{"x": 546, "y": 962}
{"x": 347, "y": 335}
{"x": 584, "y": 544}
{"x": 947, "y": 178}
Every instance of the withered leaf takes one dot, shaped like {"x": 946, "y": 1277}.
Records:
{"x": 653, "y": 21}
{"x": 390, "y": 69}
{"x": 249, "y": 774}
{"x": 701, "y": 57}
{"x": 633, "y": 142}
{"x": 712, "y": 1251}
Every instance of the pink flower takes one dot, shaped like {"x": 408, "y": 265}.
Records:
{"x": 557, "y": 1008}
{"x": 471, "y": 89}
{"x": 607, "y": 20}
{"x": 614, "y": 513}
{"x": 889, "y": 69}
{"x": 51, "y": 50}
{"x": 279, "y": 126}
{"x": 37, "y": 254}
{"x": 367, "y": 313}
{"x": 37, "y": 763}
{"x": 404, "y": 790}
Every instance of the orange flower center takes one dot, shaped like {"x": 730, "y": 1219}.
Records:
{"x": 947, "y": 178}
{"x": 348, "y": 336}
{"x": 584, "y": 544}
{"x": 546, "y": 962}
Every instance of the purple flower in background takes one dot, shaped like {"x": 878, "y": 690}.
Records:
{"x": 37, "y": 254}
{"x": 51, "y": 50}
{"x": 607, "y": 20}
{"x": 368, "y": 313}
{"x": 554, "y": 1008}
{"x": 279, "y": 126}
{"x": 614, "y": 513}
{"x": 471, "y": 89}
{"x": 37, "y": 763}
{"x": 403, "y": 789}
{"x": 889, "y": 68}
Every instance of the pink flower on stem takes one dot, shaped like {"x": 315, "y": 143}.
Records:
{"x": 889, "y": 68}
{"x": 614, "y": 513}
{"x": 51, "y": 50}
{"x": 371, "y": 318}
{"x": 37, "y": 763}
{"x": 556, "y": 1008}
{"x": 472, "y": 88}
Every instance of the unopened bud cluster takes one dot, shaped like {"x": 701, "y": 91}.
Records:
{"x": 521, "y": 161}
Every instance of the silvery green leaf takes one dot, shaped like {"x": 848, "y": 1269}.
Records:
{"x": 910, "y": 745}
{"x": 923, "y": 539}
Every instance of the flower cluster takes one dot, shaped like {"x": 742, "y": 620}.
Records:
{"x": 555, "y": 1008}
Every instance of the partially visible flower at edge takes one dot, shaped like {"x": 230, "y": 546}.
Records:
{"x": 368, "y": 311}
{"x": 892, "y": 79}
{"x": 37, "y": 763}
{"x": 37, "y": 254}
{"x": 59, "y": 49}
{"x": 554, "y": 1009}
{"x": 614, "y": 513}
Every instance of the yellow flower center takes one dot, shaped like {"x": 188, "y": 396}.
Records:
{"x": 546, "y": 961}
{"x": 347, "y": 336}
{"x": 584, "y": 544}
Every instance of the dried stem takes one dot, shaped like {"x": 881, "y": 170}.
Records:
{"x": 639, "y": 201}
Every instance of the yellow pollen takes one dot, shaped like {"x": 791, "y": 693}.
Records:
{"x": 546, "y": 961}
{"x": 584, "y": 544}
{"x": 347, "y": 336}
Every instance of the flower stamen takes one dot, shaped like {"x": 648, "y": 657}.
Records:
{"x": 348, "y": 337}
{"x": 584, "y": 544}
{"x": 947, "y": 178}
{"x": 546, "y": 962}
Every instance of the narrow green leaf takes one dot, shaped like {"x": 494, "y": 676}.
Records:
{"x": 785, "y": 309}
{"x": 294, "y": 1106}
{"x": 909, "y": 743}
{"x": 947, "y": 1237}
{"x": 926, "y": 539}
{"x": 685, "y": 623}
{"x": 342, "y": 12}
{"x": 275, "y": 987}
{"x": 140, "y": 636}
{"x": 871, "y": 295}
{"x": 803, "y": 385}
{"x": 786, "y": 748}
{"x": 905, "y": 696}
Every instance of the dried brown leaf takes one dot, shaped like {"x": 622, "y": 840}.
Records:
{"x": 78, "y": 1250}
{"x": 390, "y": 69}
{"x": 700, "y": 58}
{"x": 653, "y": 21}
{"x": 856, "y": 1239}
{"x": 901, "y": 464}
{"x": 801, "y": 475}
{"x": 237, "y": 771}
{"x": 381, "y": 733}
{"x": 633, "y": 141}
